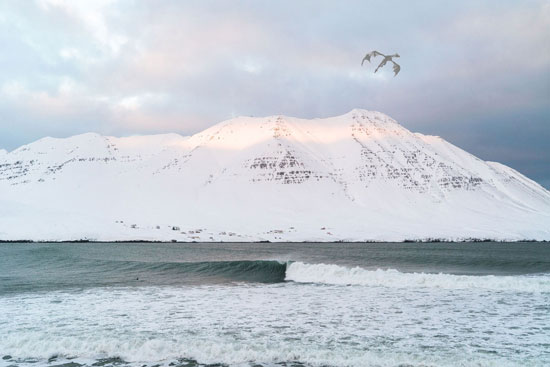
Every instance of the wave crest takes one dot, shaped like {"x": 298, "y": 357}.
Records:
{"x": 340, "y": 275}
{"x": 263, "y": 271}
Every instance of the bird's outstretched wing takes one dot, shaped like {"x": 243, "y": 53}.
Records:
{"x": 381, "y": 64}
{"x": 372, "y": 54}
{"x": 396, "y": 68}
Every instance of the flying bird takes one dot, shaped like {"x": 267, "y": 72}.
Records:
{"x": 387, "y": 58}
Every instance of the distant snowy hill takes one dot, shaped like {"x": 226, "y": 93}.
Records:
{"x": 356, "y": 177}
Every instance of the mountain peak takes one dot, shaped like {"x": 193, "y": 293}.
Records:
{"x": 359, "y": 111}
{"x": 358, "y": 176}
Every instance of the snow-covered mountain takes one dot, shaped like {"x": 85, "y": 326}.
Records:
{"x": 359, "y": 176}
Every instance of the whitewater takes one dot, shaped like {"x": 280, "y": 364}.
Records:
{"x": 136, "y": 304}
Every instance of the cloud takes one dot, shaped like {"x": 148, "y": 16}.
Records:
{"x": 91, "y": 16}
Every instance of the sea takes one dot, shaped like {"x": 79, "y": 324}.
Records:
{"x": 274, "y": 304}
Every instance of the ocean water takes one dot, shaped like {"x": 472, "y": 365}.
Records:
{"x": 298, "y": 304}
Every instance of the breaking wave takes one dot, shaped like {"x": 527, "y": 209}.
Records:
{"x": 263, "y": 271}
{"x": 340, "y": 275}
{"x": 88, "y": 273}
{"x": 105, "y": 273}
{"x": 270, "y": 271}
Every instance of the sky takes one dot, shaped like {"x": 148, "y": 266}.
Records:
{"x": 476, "y": 73}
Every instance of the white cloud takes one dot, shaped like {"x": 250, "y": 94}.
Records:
{"x": 13, "y": 89}
{"x": 70, "y": 53}
{"x": 67, "y": 86}
{"x": 141, "y": 101}
{"x": 250, "y": 66}
{"x": 92, "y": 14}
{"x": 130, "y": 103}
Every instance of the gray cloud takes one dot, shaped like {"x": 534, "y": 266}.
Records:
{"x": 478, "y": 74}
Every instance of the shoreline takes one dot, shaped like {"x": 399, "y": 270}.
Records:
{"x": 469, "y": 240}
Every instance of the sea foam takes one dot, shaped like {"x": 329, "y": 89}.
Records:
{"x": 246, "y": 324}
{"x": 339, "y": 275}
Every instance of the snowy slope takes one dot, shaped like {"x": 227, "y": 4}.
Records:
{"x": 359, "y": 176}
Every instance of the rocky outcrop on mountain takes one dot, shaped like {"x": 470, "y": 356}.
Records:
{"x": 356, "y": 177}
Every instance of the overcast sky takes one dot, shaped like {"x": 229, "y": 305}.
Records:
{"x": 476, "y": 73}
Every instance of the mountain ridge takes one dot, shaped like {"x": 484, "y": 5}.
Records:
{"x": 360, "y": 177}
